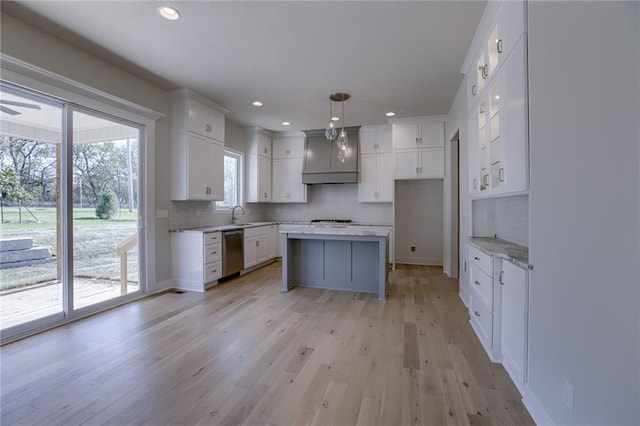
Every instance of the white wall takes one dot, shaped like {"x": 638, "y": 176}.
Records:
{"x": 457, "y": 122}
{"x": 584, "y": 200}
{"x": 27, "y": 43}
{"x": 419, "y": 221}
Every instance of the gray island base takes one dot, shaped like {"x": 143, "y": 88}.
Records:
{"x": 352, "y": 258}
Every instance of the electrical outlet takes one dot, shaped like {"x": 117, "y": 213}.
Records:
{"x": 413, "y": 248}
{"x": 568, "y": 394}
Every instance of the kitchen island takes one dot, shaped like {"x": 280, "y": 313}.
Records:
{"x": 348, "y": 258}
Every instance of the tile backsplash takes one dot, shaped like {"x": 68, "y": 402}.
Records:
{"x": 332, "y": 201}
{"x": 324, "y": 201}
{"x": 512, "y": 219}
{"x": 505, "y": 217}
{"x": 200, "y": 214}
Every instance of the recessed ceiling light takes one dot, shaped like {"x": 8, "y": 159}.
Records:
{"x": 335, "y": 118}
{"x": 256, "y": 103}
{"x": 286, "y": 123}
{"x": 169, "y": 13}
{"x": 390, "y": 114}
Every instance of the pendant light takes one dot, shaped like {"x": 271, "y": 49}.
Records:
{"x": 342, "y": 141}
{"x": 330, "y": 133}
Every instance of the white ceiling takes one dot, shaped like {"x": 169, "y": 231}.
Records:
{"x": 390, "y": 56}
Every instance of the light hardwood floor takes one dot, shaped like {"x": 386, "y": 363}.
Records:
{"x": 243, "y": 353}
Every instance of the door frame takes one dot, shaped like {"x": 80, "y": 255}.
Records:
{"x": 22, "y": 75}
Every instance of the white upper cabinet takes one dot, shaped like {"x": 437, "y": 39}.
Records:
{"x": 375, "y": 139}
{"x": 288, "y": 147}
{"x": 258, "y": 163}
{"x": 205, "y": 121}
{"x": 497, "y": 125}
{"x": 376, "y": 177}
{"x": 498, "y": 154}
{"x": 418, "y": 149}
{"x": 197, "y": 148}
{"x": 288, "y": 159}
{"x": 496, "y": 44}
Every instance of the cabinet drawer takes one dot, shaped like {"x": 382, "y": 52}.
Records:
{"x": 212, "y": 252}
{"x": 482, "y": 285}
{"x": 212, "y": 271}
{"x": 256, "y": 231}
{"x": 483, "y": 260}
{"x": 212, "y": 238}
{"x": 482, "y": 320}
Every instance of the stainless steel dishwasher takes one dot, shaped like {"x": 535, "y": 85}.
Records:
{"x": 232, "y": 252}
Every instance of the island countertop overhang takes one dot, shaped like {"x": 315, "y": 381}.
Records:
{"x": 347, "y": 230}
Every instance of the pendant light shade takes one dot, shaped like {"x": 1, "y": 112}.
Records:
{"x": 331, "y": 132}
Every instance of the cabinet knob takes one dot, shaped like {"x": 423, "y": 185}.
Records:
{"x": 501, "y": 174}
{"x": 475, "y": 184}
{"x": 476, "y": 258}
{"x": 499, "y": 45}
{"x": 474, "y": 90}
{"x": 477, "y": 313}
{"x": 476, "y": 282}
{"x": 500, "y": 277}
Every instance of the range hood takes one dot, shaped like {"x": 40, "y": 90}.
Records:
{"x": 321, "y": 163}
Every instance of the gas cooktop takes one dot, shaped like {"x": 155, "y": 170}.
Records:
{"x": 331, "y": 221}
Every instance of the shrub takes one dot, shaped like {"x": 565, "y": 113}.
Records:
{"x": 108, "y": 207}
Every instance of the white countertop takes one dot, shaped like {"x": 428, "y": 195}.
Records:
{"x": 229, "y": 227}
{"x": 348, "y": 230}
{"x": 360, "y": 229}
{"x": 507, "y": 250}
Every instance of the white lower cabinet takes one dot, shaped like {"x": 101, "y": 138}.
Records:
{"x": 196, "y": 259}
{"x": 272, "y": 241}
{"x": 255, "y": 246}
{"x": 515, "y": 301}
{"x": 499, "y": 310}
{"x": 482, "y": 300}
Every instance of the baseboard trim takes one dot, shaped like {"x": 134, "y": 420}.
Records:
{"x": 540, "y": 416}
{"x": 465, "y": 299}
{"x": 422, "y": 262}
{"x": 162, "y": 286}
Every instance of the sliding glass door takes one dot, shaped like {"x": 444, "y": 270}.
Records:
{"x": 70, "y": 182}
{"x": 105, "y": 214}
{"x": 31, "y": 288}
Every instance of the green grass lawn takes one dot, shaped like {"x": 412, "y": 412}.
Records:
{"x": 94, "y": 250}
{"x": 46, "y": 218}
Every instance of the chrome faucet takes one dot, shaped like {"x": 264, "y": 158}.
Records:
{"x": 234, "y": 219}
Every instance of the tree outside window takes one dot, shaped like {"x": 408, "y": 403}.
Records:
{"x": 232, "y": 181}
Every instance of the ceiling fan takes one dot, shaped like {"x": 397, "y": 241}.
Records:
{"x": 12, "y": 111}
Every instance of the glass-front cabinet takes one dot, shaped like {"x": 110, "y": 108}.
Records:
{"x": 495, "y": 152}
{"x": 488, "y": 155}
{"x": 498, "y": 145}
